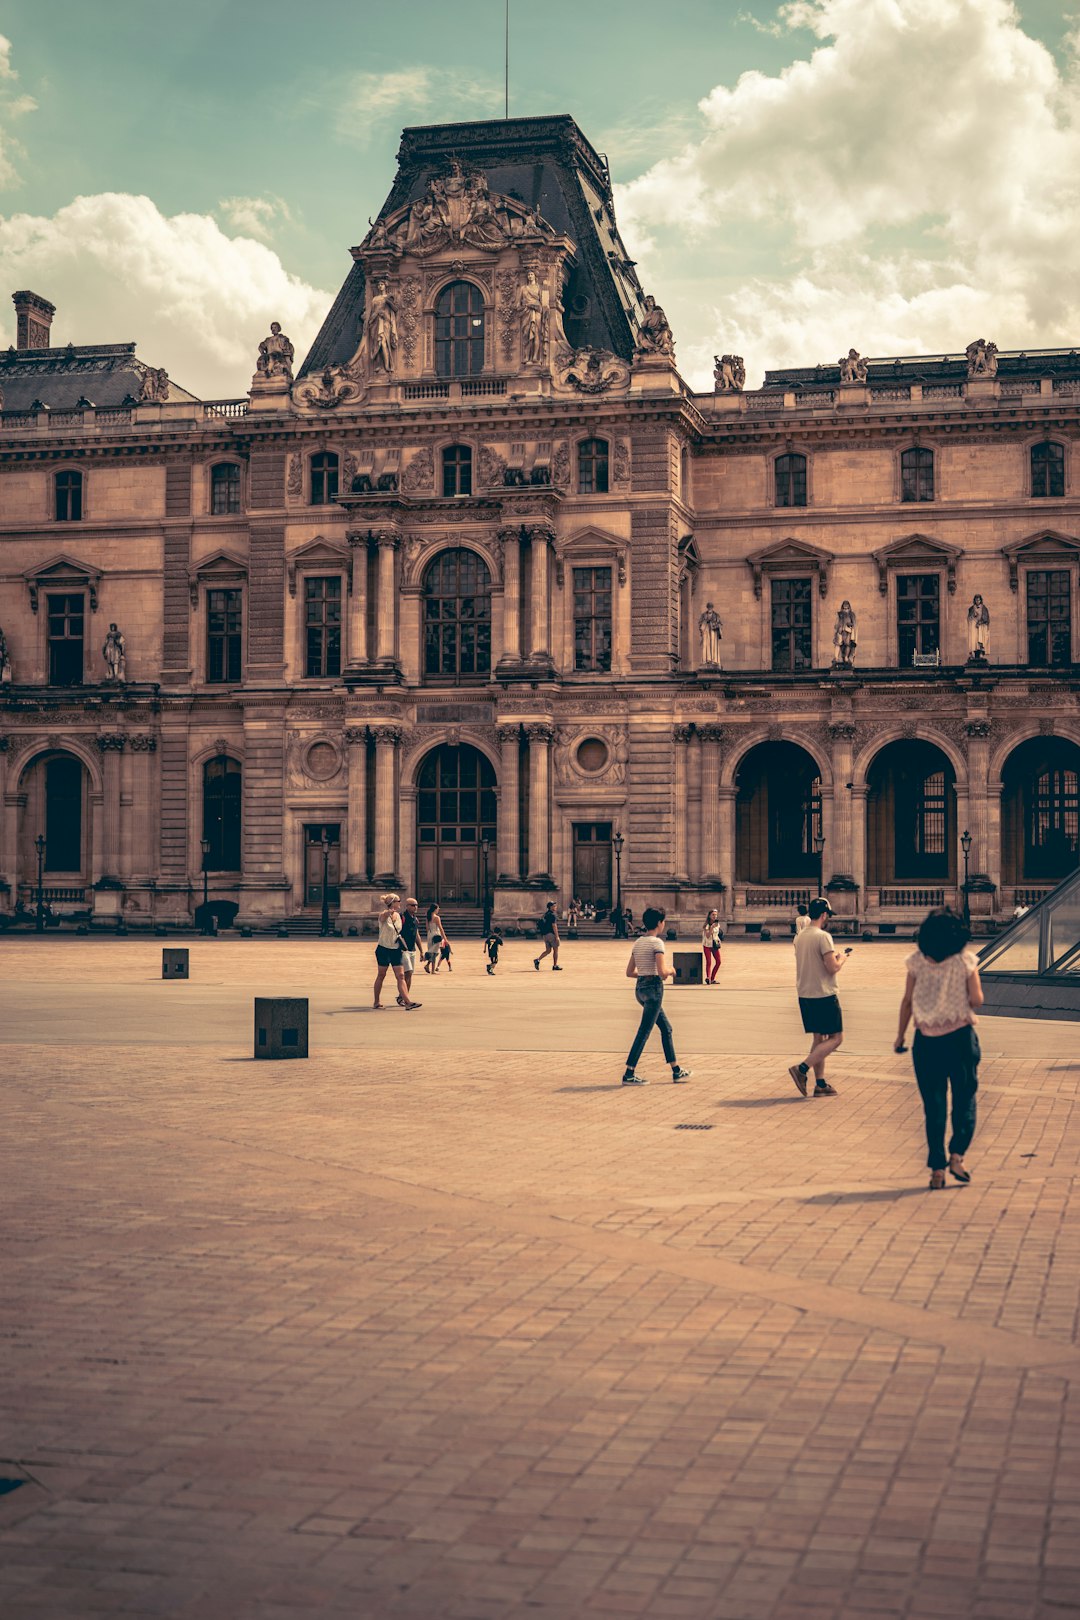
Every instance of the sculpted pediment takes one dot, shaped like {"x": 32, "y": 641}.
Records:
{"x": 790, "y": 556}
{"x": 1044, "y": 546}
{"x": 318, "y": 553}
{"x": 591, "y": 371}
{"x": 63, "y": 572}
{"x": 917, "y": 551}
{"x": 220, "y": 569}
{"x": 457, "y": 210}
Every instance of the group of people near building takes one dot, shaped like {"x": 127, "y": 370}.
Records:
{"x": 402, "y": 940}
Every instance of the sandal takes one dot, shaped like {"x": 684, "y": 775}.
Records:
{"x": 957, "y": 1171}
{"x": 937, "y": 1181}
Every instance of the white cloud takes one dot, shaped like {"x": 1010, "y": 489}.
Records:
{"x": 913, "y": 183}
{"x": 367, "y": 100}
{"x": 6, "y": 69}
{"x": 254, "y": 216}
{"x": 12, "y": 107}
{"x": 196, "y": 300}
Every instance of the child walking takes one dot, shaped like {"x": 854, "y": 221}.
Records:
{"x": 648, "y": 966}
{"x": 942, "y": 993}
{"x": 492, "y": 947}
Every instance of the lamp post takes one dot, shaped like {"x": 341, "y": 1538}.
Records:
{"x": 819, "y": 851}
{"x": 617, "y": 845}
{"x": 965, "y": 845}
{"x": 204, "y": 845}
{"x": 324, "y": 921}
{"x": 485, "y": 851}
{"x": 39, "y": 845}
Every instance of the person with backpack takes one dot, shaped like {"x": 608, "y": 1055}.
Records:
{"x": 648, "y": 968}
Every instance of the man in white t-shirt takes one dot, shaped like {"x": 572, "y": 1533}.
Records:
{"x": 648, "y": 968}
{"x": 817, "y": 962}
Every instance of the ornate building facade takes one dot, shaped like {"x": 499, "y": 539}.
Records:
{"x": 483, "y": 591}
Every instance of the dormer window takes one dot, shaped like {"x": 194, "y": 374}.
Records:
{"x": 459, "y": 331}
{"x": 69, "y": 497}
{"x": 457, "y": 470}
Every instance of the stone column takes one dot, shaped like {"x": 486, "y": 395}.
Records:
{"x": 508, "y": 857}
{"x": 111, "y": 746}
{"x": 858, "y": 843}
{"x": 143, "y": 748}
{"x": 357, "y": 640}
{"x": 511, "y": 647}
{"x": 386, "y": 741}
{"x": 978, "y": 771}
{"x": 386, "y": 616}
{"x": 693, "y": 807}
{"x": 539, "y": 793}
{"x": 538, "y": 605}
{"x": 682, "y": 736}
{"x": 9, "y": 818}
{"x": 725, "y": 820}
{"x": 356, "y": 830}
{"x": 710, "y": 807}
{"x": 407, "y": 838}
{"x": 840, "y": 851}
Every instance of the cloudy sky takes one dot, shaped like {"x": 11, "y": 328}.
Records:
{"x": 901, "y": 175}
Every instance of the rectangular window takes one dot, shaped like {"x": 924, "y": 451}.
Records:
{"x": 791, "y": 624}
{"x": 1049, "y": 617}
{"x": 322, "y": 626}
{"x": 592, "y": 619}
{"x": 66, "y": 631}
{"x": 224, "y": 489}
{"x": 918, "y": 616}
{"x": 224, "y": 623}
{"x": 917, "y": 475}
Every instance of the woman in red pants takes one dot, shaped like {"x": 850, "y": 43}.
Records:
{"x": 711, "y": 935}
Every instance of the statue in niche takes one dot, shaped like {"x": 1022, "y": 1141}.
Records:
{"x": 981, "y": 358}
{"x": 154, "y": 389}
{"x": 382, "y": 329}
{"x": 275, "y": 355}
{"x": 978, "y": 627}
{"x": 711, "y": 630}
{"x": 114, "y": 653}
{"x": 845, "y": 636}
{"x": 6, "y": 671}
{"x": 729, "y": 374}
{"x": 654, "y": 333}
{"x": 852, "y": 367}
{"x": 533, "y": 314}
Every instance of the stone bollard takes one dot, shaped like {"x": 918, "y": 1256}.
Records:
{"x": 174, "y": 964}
{"x": 281, "y": 1027}
{"x": 688, "y": 967}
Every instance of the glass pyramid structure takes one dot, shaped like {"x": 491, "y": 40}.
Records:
{"x": 1032, "y": 970}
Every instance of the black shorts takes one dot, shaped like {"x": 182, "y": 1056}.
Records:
{"x": 821, "y": 1015}
{"x": 388, "y": 955}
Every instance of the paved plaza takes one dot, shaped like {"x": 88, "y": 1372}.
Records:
{"x": 444, "y": 1323}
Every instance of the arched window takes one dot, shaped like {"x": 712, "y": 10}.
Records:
{"x": 457, "y": 470}
{"x": 224, "y": 489}
{"x": 1040, "y": 811}
{"x": 324, "y": 478}
{"x": 221, "y": 813}
{"x": 69, "y": 497}
{"x": 63, "y": 814}
{"x": 917, "y": 475}
{"x": 593, "y": 467}
{"x": 459, "y": 331}
{"x": 457, "y": 617}
{"x": 791, "y": 480}
{"x": 911, "y": 814}
{"x": 1047, "y": 469}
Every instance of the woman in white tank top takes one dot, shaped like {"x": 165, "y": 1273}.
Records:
{"x": 388, "y": 953}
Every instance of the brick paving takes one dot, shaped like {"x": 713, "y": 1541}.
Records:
{"x": 443, "y": 1323}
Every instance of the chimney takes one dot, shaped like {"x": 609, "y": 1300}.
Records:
{"x": 33, "y": 315}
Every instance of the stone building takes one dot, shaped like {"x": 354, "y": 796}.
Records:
{"x": 484, "y": 592}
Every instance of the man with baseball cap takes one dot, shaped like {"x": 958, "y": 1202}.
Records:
{"x": 817, "y": 962}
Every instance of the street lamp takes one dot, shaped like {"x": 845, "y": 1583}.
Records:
{"x": 324, "y": 923}
{"x": 39, "y": 845}
{"x": 819, "y": 851}
{"x": 485, "y": 851}
{"x": 965, "y": 845}
{"x": 617, "y": 845}
{"x": 204, "y": 845}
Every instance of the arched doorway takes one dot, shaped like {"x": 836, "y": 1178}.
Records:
{"x": 1040, "y": 809}
{"x": 777, "y": 815}
{"x": 455, "y": 814}
{"x": 911, "y": 815}
{"x": 55, "y": 788}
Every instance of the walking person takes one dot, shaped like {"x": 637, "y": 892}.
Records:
{"x": 492, "y": 947}
{"x": 711, "y": 936}
{"x": 802, "y": 918}
{"x": 433, "y": 938}
{"x": 942, "y": 993}
{"x": 549, "y": 933}
{"x": 410, "y": 937}
{"x": 388, "y": 953}
{"x": 648, "y": 966}
{"x": 817, "y": 962}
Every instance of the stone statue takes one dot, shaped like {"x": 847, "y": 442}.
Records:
{"x": 275, "y": 355}
{"x": 845, "y": 635}
{"x": 711, "y": 631}
{"x": 981, "y": 358}
{"x": 533, "y": 314}
{"x": 978, "y": 625}
{"x": 114, "y": 653}
{"x": 382, "y": 329}
{"x": 654, "y": 333}
{"x": 154, "y": 389}
{"x": 6, "y": 671}
{"x": 729, "y": 374}
{"x": 852, "y": 367}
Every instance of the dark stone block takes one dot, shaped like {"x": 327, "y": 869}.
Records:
{"x": 174, "y": 963}
{"x": 281, "y": 1027}
{"x": 688, "y": 967}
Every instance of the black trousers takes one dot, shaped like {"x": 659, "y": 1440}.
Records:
{"x": 941, "y": 1061}
{"x": 650, "y": 994}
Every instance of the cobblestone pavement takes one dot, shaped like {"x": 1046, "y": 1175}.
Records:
{"x": 444, "y": 1323}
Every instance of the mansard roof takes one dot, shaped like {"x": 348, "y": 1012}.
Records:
{"x": 546, "y": 164}
{"x": 931, "y": 368}
{"x": 106, "y": 374}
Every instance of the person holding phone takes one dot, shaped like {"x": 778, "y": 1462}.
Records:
{"x": 817, "y": 962}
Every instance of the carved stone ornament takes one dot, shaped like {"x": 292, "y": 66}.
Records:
{"x": 154, "y": 388}
{"x": 981, "y": 358}
{"x": 295, "y": 483}
{"x": 111, "y": 742}
{"x": 560, "y": 465}
{"x": 491, "y": 467}
{"x": 729, "y": 374}
{"x": 457, "y": 210}
{"x": 327, "y": 389}
{"x": 356, "y": 736}
{"x": 978, "y": 728}
{"x": 572, "y": 771}
{"x": 419, "y": 472}
{"x": 540, "y": 731}
{"x": 842, "y": 731}
{"x": 654, "y": 334}
{"x": 592, "y": 371}
{"x": 408, "y": 299}
{"x": 275, "y": 355}
{"x": 142, "y": 743}
{"x": 114, "y": 652}
{"x": 852, "y": 367}
{"x": 620, "y": 462}
{"x": 380, "y": 328}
